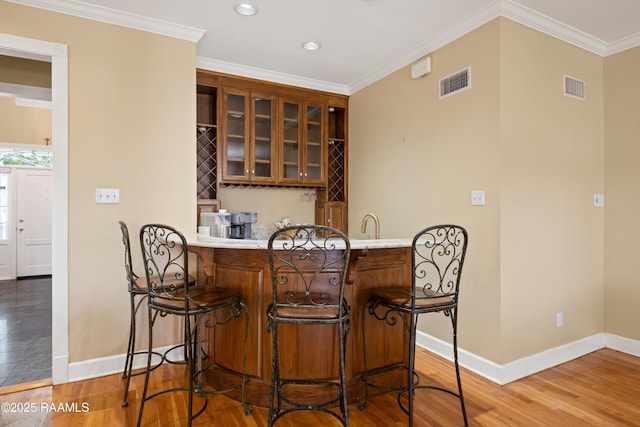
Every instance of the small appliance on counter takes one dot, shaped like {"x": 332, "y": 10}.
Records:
{"x": 241, "y": 224}
{"x": 218, "y": 222}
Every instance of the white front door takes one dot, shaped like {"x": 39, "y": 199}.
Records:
{"x": 33, "y": 203}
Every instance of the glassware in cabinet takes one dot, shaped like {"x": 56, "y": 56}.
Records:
{"x": 263, "y": 140}
{"x": 290, "y": 149}
{"x": 236, "y": 143}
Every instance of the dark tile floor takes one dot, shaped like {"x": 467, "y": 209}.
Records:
{"x": 25, "y": 330}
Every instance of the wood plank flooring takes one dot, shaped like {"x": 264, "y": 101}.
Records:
{"x": 599, "y": 389}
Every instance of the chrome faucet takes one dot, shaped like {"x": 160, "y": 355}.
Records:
{"x": 375, "y": 219}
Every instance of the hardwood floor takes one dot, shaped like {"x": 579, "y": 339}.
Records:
{"x": 602, "y": 388}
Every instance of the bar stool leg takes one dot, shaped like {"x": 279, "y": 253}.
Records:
{"x": 412, "y": 364}
{"x": 147, "y": 371}
{"x": 128, "y": 363}
{"x": 343, "y": 377}
{"x": 363, "y": 403}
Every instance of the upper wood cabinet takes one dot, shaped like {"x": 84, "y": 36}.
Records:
{"x": 256, "y": 133}
{"x": 331, "y": 200}
{"x": 207, "y": 142}
{"x": 248, "y": 147}
{"x": 303, "y": 152}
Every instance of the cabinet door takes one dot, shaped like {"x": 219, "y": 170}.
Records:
{"x": 336, "y": 216}
{"x": 332, "y": 214}
{"x": 262, "y": 155}
{"x": 314, "y": 150}
{"x": 291, "y": 139}
{"x": 235, "y": 145}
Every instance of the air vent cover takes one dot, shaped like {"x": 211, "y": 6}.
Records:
{"x": 573, "y": 88}
{"x": 455, "y": 82}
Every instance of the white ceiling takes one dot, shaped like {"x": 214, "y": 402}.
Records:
{"x": 362, "y": 40}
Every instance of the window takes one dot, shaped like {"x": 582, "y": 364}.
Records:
{"x": 11, "y": 156}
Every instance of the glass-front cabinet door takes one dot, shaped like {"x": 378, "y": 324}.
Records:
{"x": 315, "y": 150}
{"x": 291, "y": 150}
{"x": 303, "y": 154}
{"x": 263, "y": 139}
{"x": 248, "y": 152}
{"x": 235, "y": 149}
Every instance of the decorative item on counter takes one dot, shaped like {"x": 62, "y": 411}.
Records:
{"x": 284, "y": 222}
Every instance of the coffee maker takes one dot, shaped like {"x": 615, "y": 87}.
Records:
{"x": 241, "y": 224}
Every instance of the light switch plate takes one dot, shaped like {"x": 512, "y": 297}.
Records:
{"x": 477, "y": 198}
{"x": 107, "y": 195}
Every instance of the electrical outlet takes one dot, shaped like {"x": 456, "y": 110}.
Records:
{"x": 477, "y": 198}
{"x": 598, "y": 200}
{"x": 559, "y": 319}
{"x": 107, "y": 195}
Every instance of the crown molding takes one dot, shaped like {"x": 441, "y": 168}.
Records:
{"x": 271, "y": 76}
{"x": 472, "y": 22}
{"x": 624, "y": 44}
{"x": 505, "y": 8}
{"x": 537, "y": 21}
{"x": 510, "y": 10}
{"x": 110, "y": 16}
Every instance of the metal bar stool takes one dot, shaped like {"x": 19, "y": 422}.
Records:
{"x": 137, "y": 288}
{"x": 438, "y": 254}
{"x": 164, "y": 252}
{"x": 137, "y": 295}
{"x": 308, "y": 267}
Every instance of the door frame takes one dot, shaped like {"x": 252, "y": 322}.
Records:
{"x": 10, "y": 242}
{"x": 57, "y": 53}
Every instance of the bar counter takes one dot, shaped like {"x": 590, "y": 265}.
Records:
{"x": 307, "y": 352}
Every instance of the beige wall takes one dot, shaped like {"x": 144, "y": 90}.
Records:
{"x": 414, "y": 160}
{"x": 25, "y": 71}
{"x": 551, "y": 164}
{"x": 622, "y": 166}
{"x": 131, "y": 126}
{"x": 20, "y": 124}
{"x": 536, "y": 247}
{"x": 24, "y": 125}
{"x": 271, "y": 204}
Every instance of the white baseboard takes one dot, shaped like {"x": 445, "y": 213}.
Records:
{"x": 499, "y": 374}
{"x": 625, "y": 345}
{"x": 60, "y": 369}
{"x": 102, "y": 366}
{"x": 503, "y": 374}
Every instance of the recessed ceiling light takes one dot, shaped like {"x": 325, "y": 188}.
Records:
{"x": 245, "y": 9}
{"x": 311, "y": 45}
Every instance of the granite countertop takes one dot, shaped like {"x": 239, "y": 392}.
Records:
{"x": 217, "y": 242}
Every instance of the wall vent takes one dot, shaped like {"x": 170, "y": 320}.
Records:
{"x": 573, "y": 87}
{"x": 455, "y": 82}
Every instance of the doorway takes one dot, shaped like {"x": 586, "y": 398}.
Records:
{"x": 25, "y": 214}
{"x": 58, "y": 55}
